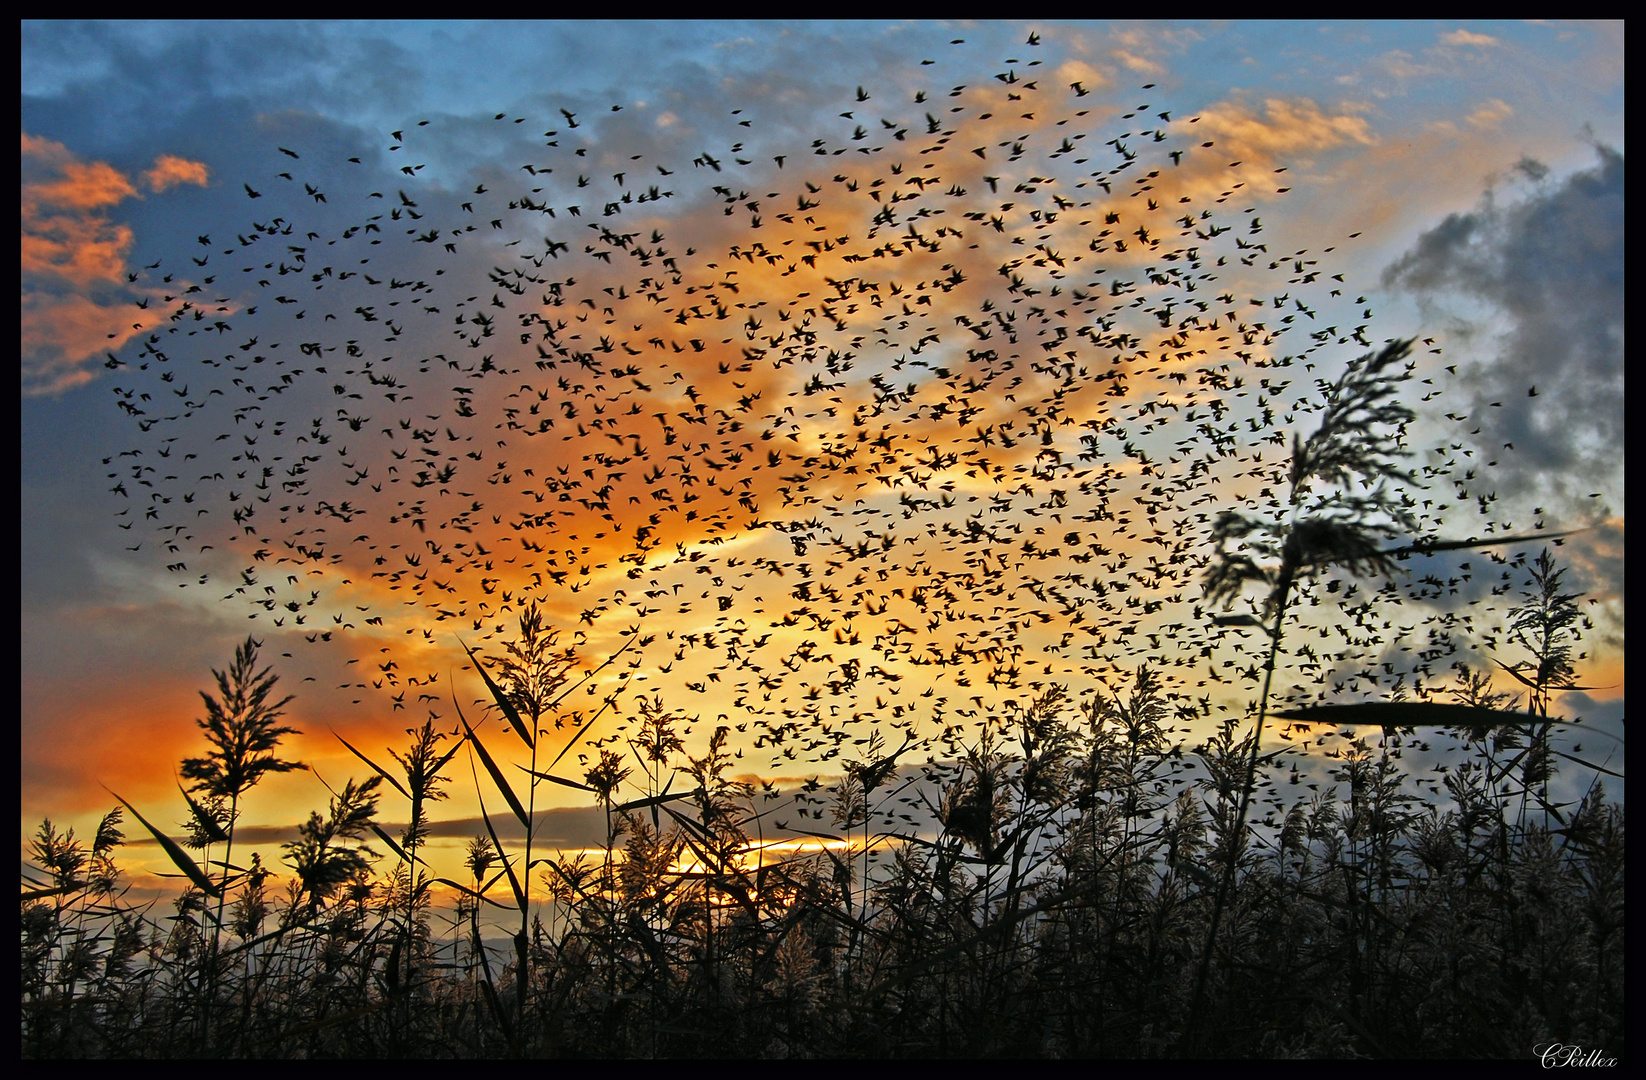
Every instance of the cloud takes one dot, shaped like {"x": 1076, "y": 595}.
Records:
{"x": 1287, "y": 127}
{"x": 1078, "y": 71}
{"x": 1138, "y": 63}
{"x": 1491, "y": 114}
{"x": 72, "y": 257}
{"x": 1464, "y": 37}
{"x": 60, "y": 334}
{"x": 80, "y": 251}
{"x": 169, "y": 171}
{"x": 54, "y": 177}
{"x": 1533, "y": 169}
{"x": 1400, "y": 64}
{"x": 73, "y": 261}
{"x": 1550, "y": 268}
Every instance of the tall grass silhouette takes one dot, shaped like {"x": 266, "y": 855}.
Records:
{"x": 1076, "y": 875}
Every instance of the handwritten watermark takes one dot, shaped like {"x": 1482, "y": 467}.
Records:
{"x": 1563, "y": 1054}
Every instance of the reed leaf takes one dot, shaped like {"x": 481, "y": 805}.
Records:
{"x": 466, "y": 891}
{"x": 1429, "y": 547}
{"x": 208, "y": 824}
{"x": 502, "y": 699}
{"x": 394, "y": 847}
{"x": 576, "y": 735}
{"x": 555, "y": 779}
{"x": 654, "y": 800}
{"x": 1199, "y": 876}
{"x": 375, "y": 767}
{"x": 1403, "y": 714}
{"x": 503, "y": 857}
{"x": 1585, "y": 764}
{"x": 174, "y": 851}
{"x": 689, "y": 825}
{"x": 502, "y": 1017}
{"x": 1523, "y": 680}
{"x": 496, "y": 774}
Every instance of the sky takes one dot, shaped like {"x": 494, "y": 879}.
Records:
{"x": 958, "y": 336}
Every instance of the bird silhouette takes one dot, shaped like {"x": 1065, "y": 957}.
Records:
{"x": 847, "y": 438}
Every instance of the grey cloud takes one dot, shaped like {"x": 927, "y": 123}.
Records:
{"x": 1532, "y": 168}
{"x": 115, "y": 85}
{"x": 1551, "y": 265}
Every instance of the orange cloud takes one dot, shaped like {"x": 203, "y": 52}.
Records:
{"x": 170, "y": 171}
{"x": 82, "y": 251}
{"x": 1288, "y": 127}
{"x": 60, "y": 334}
{"x": 73, "y": 262}
{"x": 53, "y": 177}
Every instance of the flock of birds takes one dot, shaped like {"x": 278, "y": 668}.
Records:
{"x": 894, "y": 428}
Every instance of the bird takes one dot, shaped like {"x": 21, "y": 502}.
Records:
{"x": 835, "y": 430}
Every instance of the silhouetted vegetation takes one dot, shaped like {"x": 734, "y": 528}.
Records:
{"x": 1078, "y": 858}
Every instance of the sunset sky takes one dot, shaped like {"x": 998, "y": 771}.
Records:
{"x": 834, "y": 377}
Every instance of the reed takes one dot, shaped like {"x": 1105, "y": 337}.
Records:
{"x": 1064, "y": 902}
